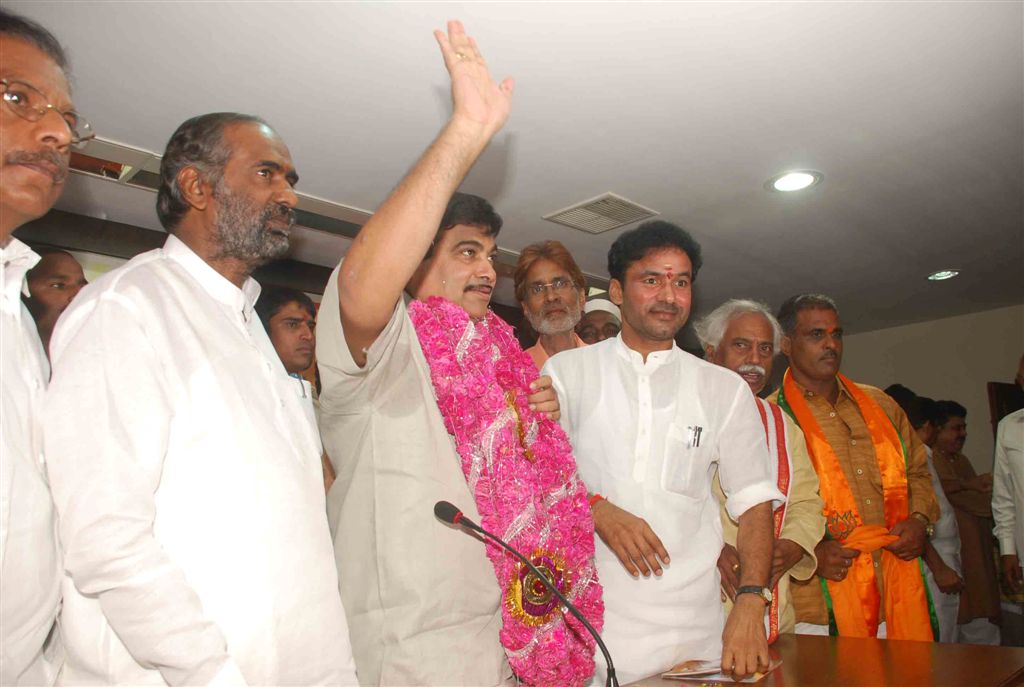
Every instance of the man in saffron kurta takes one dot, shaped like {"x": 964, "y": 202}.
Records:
{"x": 744, "y": 336}
{"x": 861, "y": 443}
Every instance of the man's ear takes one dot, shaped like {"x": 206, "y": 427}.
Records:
{"x": 195, "y": 189}
{"x": 786, "y": 345}
{"x": 615, "y": 292}
{"x": 709, "y": 352}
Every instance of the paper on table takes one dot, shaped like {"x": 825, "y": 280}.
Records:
{"x": 710, "y": 672}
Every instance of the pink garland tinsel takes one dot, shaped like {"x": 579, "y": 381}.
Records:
{"x": 520, "y": 467}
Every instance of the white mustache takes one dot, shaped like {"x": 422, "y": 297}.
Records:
{"x": 744, "y": 369}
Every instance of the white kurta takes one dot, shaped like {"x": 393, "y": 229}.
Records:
{"x": 946, "y": 541}
{"x": 422, "y": 595}
{"x": 634, "y": 429}
{"x": 187, "y": 478}
{"x": 30, "y": 569}
{"x": 1008, "y": 485}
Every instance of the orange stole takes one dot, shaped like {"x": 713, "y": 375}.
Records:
{"x": 779, "y": 516}
{"x": 855, "y": 600}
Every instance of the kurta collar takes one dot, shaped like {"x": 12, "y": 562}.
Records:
{"x": 810, "y": 394}
{"x": 213, "y": 282}
{"x": 655, "y": 359}
{"x": 17, "y": 259}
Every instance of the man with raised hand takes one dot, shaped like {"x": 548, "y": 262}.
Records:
{"x": 649, "y": 423}
{"x": 185, "y": 468}
{"x": 873, "y": 477}
{"x": 434, "y": 400}
{"x": 38, "y": 126}
{"x": 743, "y": 336}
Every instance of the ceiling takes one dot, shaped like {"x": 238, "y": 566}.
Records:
{"x": 914, "y": 112}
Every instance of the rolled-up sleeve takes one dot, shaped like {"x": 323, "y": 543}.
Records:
{"x": 743, "y": 460}
{"x": 106, "y": 427}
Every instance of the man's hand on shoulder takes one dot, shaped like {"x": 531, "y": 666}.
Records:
{"x": 630, "y": 538}
{"x": 744, "y": 644}
{"x": 912, "y": 537}
{"x": 543, "y": 398}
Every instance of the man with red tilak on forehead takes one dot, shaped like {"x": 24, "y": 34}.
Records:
{"x": 743, "y": 336}
{"x": 435, "y": 400}
{"x": 874, "y": 480}
{"x": 649, "y": 423}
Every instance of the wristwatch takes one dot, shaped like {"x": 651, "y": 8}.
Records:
{"x": 929, "y": 528}
{"x": 763, "y": 592}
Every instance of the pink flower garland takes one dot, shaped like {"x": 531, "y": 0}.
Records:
{"x": 520, "y": 468}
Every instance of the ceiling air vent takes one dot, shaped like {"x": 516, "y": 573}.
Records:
{"x": 601, "y": 214}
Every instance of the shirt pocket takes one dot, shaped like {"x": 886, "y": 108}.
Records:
{"x": 687, "y": 461}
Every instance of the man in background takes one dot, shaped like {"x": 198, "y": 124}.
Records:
{"x": 551, "y": 290}
{"x": 743, "y": 336}
{"x": 873, "y": 477}
{"x": 601, "y": 320}
{"x": 52, "y": 284}
{"x": 944, "y": 572}
{"x": 186, "y": 468}
{"x": 1008, "y": 492}
{"x": 289, "y": 316}
{"x": 971, "y": 496}
{"x": 38, "y": 126}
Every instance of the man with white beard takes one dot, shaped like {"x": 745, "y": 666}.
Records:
{"x": 551, "y": 288}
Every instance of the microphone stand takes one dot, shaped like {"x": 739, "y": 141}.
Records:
{"x": 610, "y": 680}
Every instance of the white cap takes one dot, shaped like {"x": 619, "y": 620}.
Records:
{"x": 605, "y": 305}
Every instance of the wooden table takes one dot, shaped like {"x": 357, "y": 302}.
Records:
{"x": 810, "y": 661}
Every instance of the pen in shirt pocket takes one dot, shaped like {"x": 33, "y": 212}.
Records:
{"x": 695, "y": 432}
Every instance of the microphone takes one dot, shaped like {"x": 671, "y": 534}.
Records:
{"x": 447, "y": 512}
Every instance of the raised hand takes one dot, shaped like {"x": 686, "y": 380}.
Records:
{"x": 476, "y": 97}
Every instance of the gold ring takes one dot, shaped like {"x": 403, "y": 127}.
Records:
{"x": 462, "y": 56}
{"x": 735, "y": 567}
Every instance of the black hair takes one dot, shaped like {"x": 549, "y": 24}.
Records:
{"x": 273, "y": 298}
{"x": 470, "y": 210}
{"x": 199, "y": 143}
{"x": 919, "y": 410}
{"x": 15, "y": 25}
{"x": 793, "y": 305}
{"x": 901, "y": 395}
{"x": 634, "y": 244}
{"x": 944, "y": 410}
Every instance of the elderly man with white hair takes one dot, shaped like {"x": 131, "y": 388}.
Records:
{"x": 743, "y": 336}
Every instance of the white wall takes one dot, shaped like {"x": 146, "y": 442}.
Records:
{"x": 952, "y": 358}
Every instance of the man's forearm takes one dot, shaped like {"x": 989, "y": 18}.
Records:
{"x": 391, "y": 245}
{"x": 754, "y": 544}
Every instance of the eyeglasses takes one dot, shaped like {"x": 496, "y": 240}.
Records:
{"x": 559, "y": 285}
{"x": 29, "y": 103}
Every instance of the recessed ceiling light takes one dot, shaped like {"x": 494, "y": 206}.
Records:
{"x": 943, "y": 274}
{"x": 794, "y": 181}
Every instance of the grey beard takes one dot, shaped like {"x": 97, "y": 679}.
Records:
{"x": 559, "y": 325}
{"x": 243, "y": 234}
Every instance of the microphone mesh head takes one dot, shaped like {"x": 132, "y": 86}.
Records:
{"x": 446, "y": 512}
